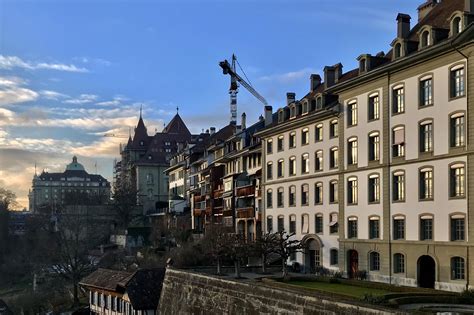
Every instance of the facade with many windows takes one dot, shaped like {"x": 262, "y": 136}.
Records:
{"x": 370, "y": 168}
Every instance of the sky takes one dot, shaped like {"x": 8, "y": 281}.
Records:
{"x": 72, "y": 71}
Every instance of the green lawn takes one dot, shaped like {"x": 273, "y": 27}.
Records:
{"x": 338, "y": 288}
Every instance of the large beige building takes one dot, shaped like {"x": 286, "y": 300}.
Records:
{"x": 371, "y": 168}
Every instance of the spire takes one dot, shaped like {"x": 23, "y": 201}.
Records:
{"x": 177, "y": 109}
{"x": 141, "y": 105}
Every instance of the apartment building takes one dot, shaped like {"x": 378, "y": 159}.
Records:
{"x": 370, "y": 168}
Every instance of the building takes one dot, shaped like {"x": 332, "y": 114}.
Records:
{"x": 145, "y": 158}
{"x": 54, "y": 189}
{"x": 115, "y": 292}
{"x": 342, "y": 171}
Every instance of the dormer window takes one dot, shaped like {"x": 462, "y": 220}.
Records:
{"x": 363, "y": 65}
{"x": 397, "y": 50}
{"x": 319, "y": 103}
{"x": 425, "y": 39}
{"x": 456, "y": 25}
{"x": 292, "y": 111}
{"x": 281, "y": 116}
{"x": 305, "y": 108}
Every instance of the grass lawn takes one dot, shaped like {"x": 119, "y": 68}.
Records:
{"x": 338, "y": 288}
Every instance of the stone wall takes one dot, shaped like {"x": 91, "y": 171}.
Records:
{"x": 191, "y": 293}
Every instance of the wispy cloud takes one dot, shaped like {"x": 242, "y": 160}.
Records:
{"x": 11, "y": 62}
{"x": 52, "y": 95}
{"x": 12, "y": 91}
{"x": 83, "y": 99}
{"x": 288, "y": 77}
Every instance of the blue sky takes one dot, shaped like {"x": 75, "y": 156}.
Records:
{"x": 71, "y": 71}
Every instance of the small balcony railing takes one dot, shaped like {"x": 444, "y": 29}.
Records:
{"x": 245, "y": 213}
{"x": 245, "y": 191}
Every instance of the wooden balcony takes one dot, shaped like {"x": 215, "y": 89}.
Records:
{"x": 246, "y": 191}
{"x": 197, "y": 212}
{"x": 197, "y": 198}
{"x": 218, "y": 193}
{"x": 245, "y": 213}
{"x": 227, "y": 213}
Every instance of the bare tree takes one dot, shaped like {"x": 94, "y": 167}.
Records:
{"x": 237, "y": 249}
{"x": 264, "y": 246}
{"x": 125, "y": 203}
{"x": 216, "y": 242}
{"x": 285, "y": 247}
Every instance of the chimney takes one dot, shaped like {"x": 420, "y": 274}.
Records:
{"x": 328, "y": 76}
{"x": 403, "y": 25}
{"x": 315, "y": 80}
{"x": 469, "y": 6}
{"x": 243, "y": 122}
{"x": 337, "y": 72}
{"x": 213, "y": 130}
{"x": 207, "y": 131}
{"x": 290, "y": 98}
{"x": 268, "y": 115}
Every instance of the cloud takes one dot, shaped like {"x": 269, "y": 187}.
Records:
{"x": 52, "y": 95}
{"x": 289, "y": 76}
{"x": 83, "y": 99}
{"x": 12, "y": 91}
{"x": 11, "y": 62}
{"x": 98, "y": 61}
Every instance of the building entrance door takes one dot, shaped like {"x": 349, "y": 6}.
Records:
{"x": 426, "y": 272}
{"x": 353, "y": 263}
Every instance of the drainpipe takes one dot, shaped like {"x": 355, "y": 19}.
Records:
{"x": 467, "y": 197}
{"x": 389, "y": 185}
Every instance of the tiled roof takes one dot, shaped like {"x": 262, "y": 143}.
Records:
{"x": 107, "y": 279}
{"x": 45, "y": 176}
{"x": 176, "y": 125}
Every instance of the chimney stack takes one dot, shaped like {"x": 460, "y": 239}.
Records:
{"x": 243, "y": 123}
{"x": 290, "y": 98}
{"x": 337, "y": 72}
{"x": 212, "y": 130}
{"x": 315, "y": 81}
{"x": 268, "y": 115}
{"x": 403, "y": 25}
{"x": 332, "y": 74}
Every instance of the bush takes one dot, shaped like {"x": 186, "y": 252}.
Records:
{"x": 373, "y": 299}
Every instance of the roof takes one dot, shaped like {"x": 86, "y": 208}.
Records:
{"x": 46, "y": 176}
{"x": 143, "y": 286}
{"x": 176, "y": 125}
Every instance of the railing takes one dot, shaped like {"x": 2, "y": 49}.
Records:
{"x": 245, "y": 213}
{"x": 227, "y": 213}
{"x": 217, "y": 193}
{"x": 245, "y": 191}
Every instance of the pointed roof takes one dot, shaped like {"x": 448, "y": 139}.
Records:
{"x": 176, "y": 125}
{"x": 140, "y": 138}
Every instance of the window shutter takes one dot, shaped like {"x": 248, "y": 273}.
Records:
{"x": 399, "y": 136}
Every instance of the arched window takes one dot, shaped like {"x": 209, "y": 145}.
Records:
{"x": 292, "y": 196}
{"x": 425, "y": 39}
{"x": 280, "y": 197}
{"x": 398, "y": 263}
{"x": 269, "y": 224}
{"x": 304, "y": 194}
{"x": 292, "y": 223}
{"x": 281, "y": 223}
{"x": 374, "y": 261}
{"x": 305, "y": 223}
{"x": 269, "y": 198}
{"x": 397, "y": 50}
{"x": 456, "y": 26}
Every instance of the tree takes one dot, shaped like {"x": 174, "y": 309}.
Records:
{"x": 125, "y": 203}
{"x": 216, "y": 242}
{"x": 236, "y": 249}
{"x": 7, "y": 202}
{"x": 285, "y": 246}
{"x": 264, "y": 246}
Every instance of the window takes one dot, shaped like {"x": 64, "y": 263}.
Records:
{"x": 292, "y": 196}
{"x": 374, "y": 188}
{"x": 280, "y": 144}
{"x": 334, "y": 158}
{"x": 305, "y": 108}
{"x": 426, "y": 184}
{"x": 426, "y": 228}
{"x": 352, "y": 151}
{"x": 426, "y": 92}
{"x": 398, "y": 183}
{"x": 304, "y": 136}
{"x": 425, "y": 39}
{"x": 374, "y": 227}
{"x": 280, "y": 168}
{"x": 292, "y": 140}
{"x": 304, "y": 223}
{"x": 269, "y": 224}
{"x": 398, "y": 263}
{"x": 292, "y": 223}
{"x": 333, "y": 223}
{"x": 457, "y": 227}
{"x": 269, "y": 146}
{"x": 373, "y": 110}
{"x": 456, "y": 26}
{"x": 398, "y": 140}
{"x": 149, "y": 178}
{"x": 398, "y": 100}
{"x": 457, "y": 130}
{"x": 318, "y": 193}
{"x": 399, "y": 228}
{"x": 333, "y": 257}
{"x": 457, "y": 82}
{"x": 269, "y": 170}
{"x": 333, "y": 129}
{"x": 281, "y": 115}
{"x": 292, "y": 166}
{"x": 280, "y": 196}
{"x": 374, "y": 261}
{"x": 292, "y": 111}
{"x": 352, "y": 227}
{"x": 318, "y": 162}
{"x": 398, "y": 50}
{"x": 352, "y": 192}
{"x": 318, "y": 223}
{"x": 318, "y": 133}
{"x": 426, "y": 136}
{"x": 269, "y": 198}
{"x": 333, "y": 191}
{"x": 352, "y": 114}
{"x": 456, "y": 181}
{"x": 304, "y": 194}
{"x": 305, "y": 163}
{"x": 374, "y": 147}
{"x": 457, "y": 268}
{"x": 281, "y": 223}
{"x": 319, "y": 103}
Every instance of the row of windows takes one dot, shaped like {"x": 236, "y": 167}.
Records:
{"x": 305, "y": 164}
{"x": 318, "y": 136}
{"x": 457, "y": 89}
{"x": 457, "y": 224}
{"x": 318, "y": 223}
{"x": 305, "y": 197}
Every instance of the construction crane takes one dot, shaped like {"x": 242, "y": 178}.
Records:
{"x": 235, "y": 80}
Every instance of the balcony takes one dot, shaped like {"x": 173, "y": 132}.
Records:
{"x": 197, "y": 212}
{"x": 246, "y": 191}
{"x": 217, "y": 194}
{"x": 197, "y": 199}
{"x": 228, "y": 213}
{"x": 245, "y": 213}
